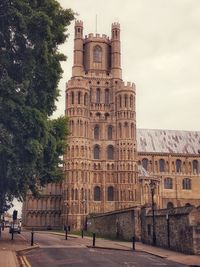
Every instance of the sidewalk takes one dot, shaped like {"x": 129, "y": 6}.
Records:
{"x": 8, "y": 248}
{"x": 191, "y": 260}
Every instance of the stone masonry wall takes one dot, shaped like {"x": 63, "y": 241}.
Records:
{"x": 176, "y": 229}
{"x": 117, "y": 224}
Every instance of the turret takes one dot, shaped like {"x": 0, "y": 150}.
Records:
{"x": 116, "y": 52}
{"x": 77, "y": 68}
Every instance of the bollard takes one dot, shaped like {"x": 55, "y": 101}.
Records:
{"x": 12, "y": 235}
{"x": 94, "y": 236}
{"x": 65, "y": 233}
{"x": 82, "y": 233}
{"x": 32, "y": 237}
{"x": 133, "y": 242}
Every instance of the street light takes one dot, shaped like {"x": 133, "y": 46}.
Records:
{"x": 153, "y": 188}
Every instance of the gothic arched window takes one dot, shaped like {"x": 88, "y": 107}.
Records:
{"x": 98, "y": 95}
{"x": 131, "y": 101}
{"x": 97, "y": 193}
{"x": 145, "y": 163}
{"x": 79, "y": 97}
{"x": 96, "y": 152}
{"x": 195, "y": 166}
{"x": 132, "y": 130}
{"x": 168, "y": 183}
{"x": 178, "y": 165}
{"x": 85, "y": 99}
{"x": 186, "y": 183}
{"x": 107, "y": 100}
{"x": 72, "y": 97}
{"x": 120, "y": 130}
{"x": 120, "y": 101}
{"x": 110, "y": 130}
{"x": 110, "y": 193}
{"x": 162, "y": 165}
{"x": 96, "y": 132}
{"x": 125, "y": 100}
{"x": 110, "y": 152}
{"x": 170, "y": 205}
{"x": 97, "y": 54}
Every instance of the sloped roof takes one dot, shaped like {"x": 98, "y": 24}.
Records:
{"x": 168, "y": 141}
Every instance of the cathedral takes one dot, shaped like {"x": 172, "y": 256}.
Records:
{"x": 109, "y": 165}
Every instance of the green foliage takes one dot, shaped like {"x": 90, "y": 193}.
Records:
{"x": 31, "y": 145}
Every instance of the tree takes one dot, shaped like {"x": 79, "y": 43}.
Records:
{"x": 31, "y": 144}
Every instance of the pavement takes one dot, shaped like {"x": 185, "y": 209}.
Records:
{"x": 9, "y": 249}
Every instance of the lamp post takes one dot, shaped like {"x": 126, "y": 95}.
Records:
{"x": 153, "y": 188}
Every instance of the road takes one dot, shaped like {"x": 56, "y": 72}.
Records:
{"x": 55, "y": 251}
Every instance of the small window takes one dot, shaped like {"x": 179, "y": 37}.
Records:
{"x": 186, "y": 183}
{"x": 72, "y": 97}
{"x": 125, "y": 100}
{"x": 131, "y": 101}
{"x": 85, "y": 99}
{"x": 107, "y": 100}
{"x": 97, "y": 54}
{"x": 110, "y": 130}
{"x": 120, "y": 101}
{"x": 195, "y": 166}
{"x": 97, "y": 193}
{"x": 170, "y": 205}
{"x": 145, "y": 164}
{"x": 162, "y": 165}
{"x": 96, "y": 132}
{"x": 168, "y": 183}
{"x": 98, "y": 96}
{"x": 110, "y": 152}
{"x": 110, "y": 193}
{"x": 96, "y": 152}
{"x": 178, "y": 165}
{"x": 79, "y": 97}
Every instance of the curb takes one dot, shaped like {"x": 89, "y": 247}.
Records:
{"x": 136, "y": 250}
{"x": 121, "y": 249}
{"x": 27, "y": 249}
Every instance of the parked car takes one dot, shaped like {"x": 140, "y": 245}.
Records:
{"x": 7, "y": 224}
{"x": 15, "y": 228}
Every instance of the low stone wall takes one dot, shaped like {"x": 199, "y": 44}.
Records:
{"x": 119, "y": 224}
{"x": 177, "y": 229}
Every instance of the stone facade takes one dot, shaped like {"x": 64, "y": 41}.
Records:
{"x": 176, "y": 229}
{"x": 173, "y": 158}
{"x": 101, "y": 168}
{"x": 117, "y": 224}
{"x": 43, "y": 212}
{"x": 105, "y": 153}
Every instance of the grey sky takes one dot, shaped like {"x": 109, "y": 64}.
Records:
{"x": 160, "y": 53}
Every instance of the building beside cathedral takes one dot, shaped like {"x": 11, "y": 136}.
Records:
{"x": 108, "y": 166}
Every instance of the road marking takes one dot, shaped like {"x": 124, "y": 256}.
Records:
{"x": 24, "y": 261}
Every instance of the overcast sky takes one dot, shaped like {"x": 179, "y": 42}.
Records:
{"x": 160, "y": 42}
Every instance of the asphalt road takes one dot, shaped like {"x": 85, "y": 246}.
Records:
{"x": 54, "y": 251}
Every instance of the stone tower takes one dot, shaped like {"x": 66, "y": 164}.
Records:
{"x": 100, "y": 164}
